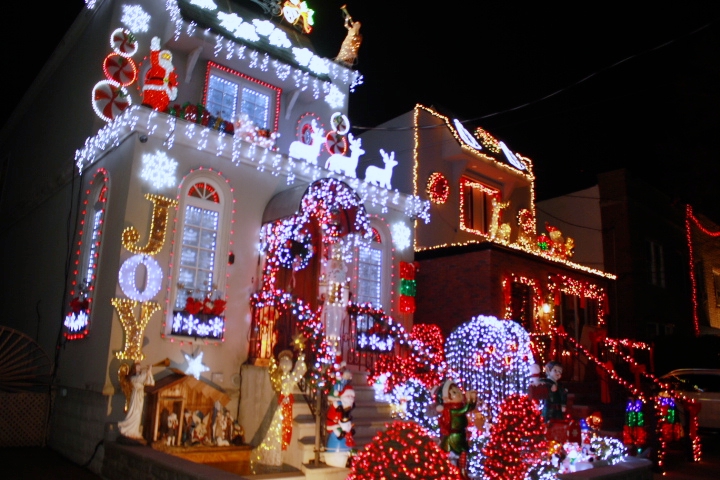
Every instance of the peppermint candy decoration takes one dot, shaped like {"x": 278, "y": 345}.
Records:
{"x": 120, "y": 69}
{"x": 335, "y": 143}
{"x": 110, "y": 99}
{"x": 340, "y": 123}
{"x": 123, "y": 42}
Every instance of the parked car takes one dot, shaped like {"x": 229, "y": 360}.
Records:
{"x": 702, "y": 384}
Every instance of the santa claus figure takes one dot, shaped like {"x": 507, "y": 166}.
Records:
{"x": 160, "y": 86}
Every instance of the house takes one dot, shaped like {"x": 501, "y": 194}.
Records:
{"x": 194, "y": 197}
{"x": 485, "y": 252}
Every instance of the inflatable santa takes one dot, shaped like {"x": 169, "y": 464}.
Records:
{"x": 160, "y": 86}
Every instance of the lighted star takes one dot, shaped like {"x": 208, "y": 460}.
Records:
{"x": 195, "y": 366}
{"x": 298, "y": 342}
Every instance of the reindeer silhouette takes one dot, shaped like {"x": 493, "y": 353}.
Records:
{"x": 381, "y": 176}
{"x": 346, "y": 165}
{"x": 309, "y": 153}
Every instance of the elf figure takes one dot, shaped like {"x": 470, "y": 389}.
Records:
{"x": 160, "y": 86}
{"x": 453, "y": 406}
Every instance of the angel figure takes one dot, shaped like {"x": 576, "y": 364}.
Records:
{"x": 351, "y": 44}
{"x": 137, "y": 377}
{"x": 269, "y": 452}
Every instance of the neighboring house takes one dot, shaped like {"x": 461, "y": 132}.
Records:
{"x": 645, "y": 245}
{"x": 166, "y": 193}
{"x": 484, "y": 253}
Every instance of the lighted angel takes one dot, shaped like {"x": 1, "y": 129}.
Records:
{"x": 283, "y": 377}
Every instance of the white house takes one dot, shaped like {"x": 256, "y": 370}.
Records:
{"x": 165, "y": 192}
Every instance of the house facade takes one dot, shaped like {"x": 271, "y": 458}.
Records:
{"x": 485, "y": 252}
{"x": 199, "y": 211}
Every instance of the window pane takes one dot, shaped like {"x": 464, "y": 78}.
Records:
{"x": 255, "y": 105}
{"x": 188, "y": 256}
{"x": 369, "y": 276}
{"x": 191, "y": 236}
{"x": 222, "y": 97}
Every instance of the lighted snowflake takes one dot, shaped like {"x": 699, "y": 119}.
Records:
{"x": 206, "y": 4}
{"x": 177, "y": 322}
{"x": 336, "y": 99}
{"x": 135, "y": 18}
{"x": 195, "y": 366}
{"x": 190, "y": 324}
{"x": 466, "y": 136}
{"x": 158, "y": 169}
{"x": 90, "y": 4}
{"x": 74, "y": 322}
{"x": 401, "y": 236}
{"x": 217, "y": 326}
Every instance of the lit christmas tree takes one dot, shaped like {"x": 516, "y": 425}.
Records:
{"x": 403, "y": 450}
{"x": 517, "y": 440}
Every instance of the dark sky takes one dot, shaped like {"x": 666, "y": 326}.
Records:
{"x": 580, "y": 88}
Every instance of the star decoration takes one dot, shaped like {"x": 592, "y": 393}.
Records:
{"x": 298, "y": 342}
{"x": 195, "y": 366}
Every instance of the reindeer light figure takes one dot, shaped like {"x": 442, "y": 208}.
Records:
{"x": 346, "y": 165}
{"x": 381, "y": 176}
{"x": 308, "y": 152}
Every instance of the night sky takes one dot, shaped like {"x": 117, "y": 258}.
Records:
{"x": 579, "y": 88}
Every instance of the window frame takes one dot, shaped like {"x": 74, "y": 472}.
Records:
{"x": 466, "y": 215}
{"x": 89, "y": 242}
{"x": 222, "y": 242}
{"x": 245, "y": 81}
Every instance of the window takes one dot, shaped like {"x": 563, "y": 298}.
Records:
{"x": 369, "y": 278}
{"x": 657, "y": 264}
{"x": 92, "y": 219}
{"x": 716, "y": 283}
{"x": 198, "y": 306}
{"x": 230, "y": 94}
{"x": 476, "y": 205}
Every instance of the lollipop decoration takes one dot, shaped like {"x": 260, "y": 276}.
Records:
{"x": 110, "y": 97}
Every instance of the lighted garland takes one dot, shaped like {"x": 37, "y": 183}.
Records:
{"x": 289, "y": 242}
{"x": 412, "y": 401}
{"x": 329, "y": 198}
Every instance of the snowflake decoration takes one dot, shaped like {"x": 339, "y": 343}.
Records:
{"x": 195, "y": 366}
{"x": 158, "y": 169}
{"x": 336, "y": 99}
{"x": 135, "y": 18}
{"x": 190, "y": 324}
{"x": 74, "y": 322}
{"x": 401, "y": 236}
{"x": 206, "y": 4}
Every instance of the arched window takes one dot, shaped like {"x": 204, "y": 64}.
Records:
{"x": 84, "y": 275}
{"x": 201, "y": 252}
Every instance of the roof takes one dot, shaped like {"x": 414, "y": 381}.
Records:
{"x": 219, "y": 21}
{"x": 177, "y": 377}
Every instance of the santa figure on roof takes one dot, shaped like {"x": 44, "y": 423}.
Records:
{"x": 160, "y": 87}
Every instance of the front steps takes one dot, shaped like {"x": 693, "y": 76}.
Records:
{"x": 369, "y": 417}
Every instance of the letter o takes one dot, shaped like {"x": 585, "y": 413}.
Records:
{"x": 126, "y": 277}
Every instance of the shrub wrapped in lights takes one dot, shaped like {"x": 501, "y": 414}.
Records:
{"x": 517, "y": 440}
{"x": 403, "y": 450}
